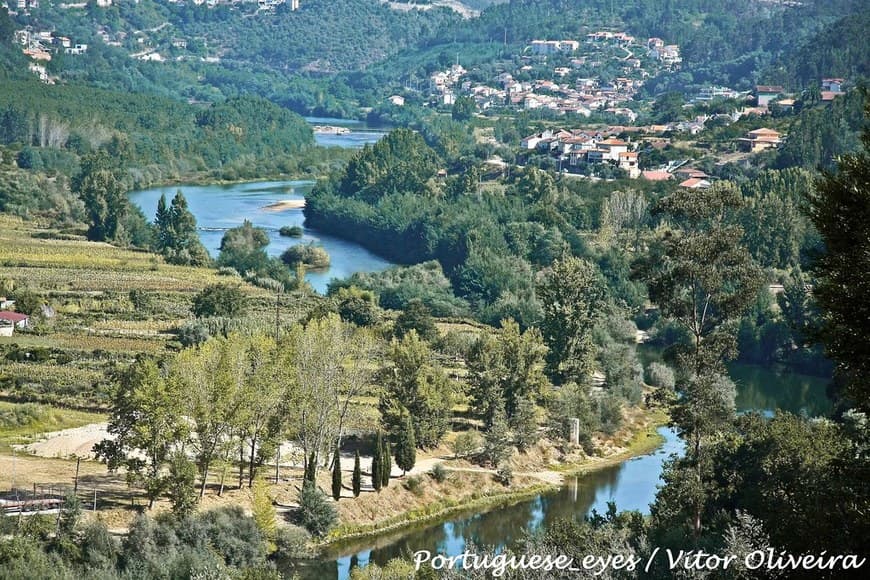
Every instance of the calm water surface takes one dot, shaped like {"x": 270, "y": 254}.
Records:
{"x": 218, "y": 208}
{"x": 361, "y": 133}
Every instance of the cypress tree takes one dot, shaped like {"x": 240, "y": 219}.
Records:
{"x": 386, "y": 465}
{"x": 161, "y": 222}
{"x": 406, "y": 447}
{"x": 377, "y": 474}
{"x": 336, "y": 475}
{"x": 357, "y": 476}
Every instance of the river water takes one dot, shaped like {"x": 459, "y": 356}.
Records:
{"x": 218, "y": 208}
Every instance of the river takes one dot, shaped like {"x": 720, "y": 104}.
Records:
{"x": 631, "y": 485}
{"x": 218, "y": 208}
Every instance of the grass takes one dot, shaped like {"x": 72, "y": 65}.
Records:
{"x": 21, "y": 422}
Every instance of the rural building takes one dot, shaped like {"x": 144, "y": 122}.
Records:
{"x": 15, "y": 318}
{"x": 760, "y": 139}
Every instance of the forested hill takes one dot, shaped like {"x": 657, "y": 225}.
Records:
{"x": 155, "y": 138}
{"x": 336, "y": 57}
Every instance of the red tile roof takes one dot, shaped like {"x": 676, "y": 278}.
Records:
{"x": 13, "y": 316}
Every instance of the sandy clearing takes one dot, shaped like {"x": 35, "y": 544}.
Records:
{"x": 76, "y": 442}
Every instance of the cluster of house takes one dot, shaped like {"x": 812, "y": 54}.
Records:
{"x": 581, "y": 147}
{"x": 567, "y": 93}
{"x": 9, "y": 320}
{"x": 766, "y": 95}
{"x": 262, "y": 4}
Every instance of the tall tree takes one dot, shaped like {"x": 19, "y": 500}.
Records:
{"x": 356, "y": 481}
{"x": 840, "y": 210}
{"x": 177, "y": 238}
{"x": 103, "y": 196}
{"x": 336, "y": 475}
{"x": 701, "y": 275}
{"x": 406, "y": 447}
{"x": 386, "y": 463}
{"x": 145, "y": 426}
{"x": 415, "y": 384}
{"x": 377, "y": 463}
{"x": 573, "y": 296}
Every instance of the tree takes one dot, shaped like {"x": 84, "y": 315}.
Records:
{"x": 103, "y": 196}
{"x": 840, "y": 210}
{"x": 356, "y": 480}
{"x": 336, "y": 475}
{"x": 463, "y": 108}
{"x": 243, "y": 248}
{"x": 386, "y": 464}
{"x": 415, "y": 385}
{"x": 573, "y": 295}
{"x": 497, "y": 441}
{"x": 327, "y": 364}
{"x": 180, "y": 485}
{"x": 145, "y": 426}
{"x": 702, "y": 277}
{"x": 176, "y": 236}
{"x": 377, "y": 463}
{"x": 219, "y": 300}
{"x": 524, "y": 424}
{"x": 212, "y": 378}
{"x": 406, "y": 447}
{"x": 315, "y": 513}
{"x": 416, "y": 316}
{"x": 508, "y": 366}
{"x": 264, "y": 511}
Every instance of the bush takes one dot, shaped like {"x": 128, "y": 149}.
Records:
{"x": 291, "y": 231}
{"x": 141, "y": 300}
{"x": 609, "y": 410}
{"x": 292, "y": 542}
{"x": 309, "y": 255}
{"x": 418, "y": 317}
{"x": 315, "y": 513}
{"x": 219, "y": 300}
{"x": 192, "y": 334}
{"x": 504, "y": 475}
{"x": 467, "y": 443}
{"x": 414, "y": 484}
{"x": 660, "y": 375}
{"x": 439, "y": 473}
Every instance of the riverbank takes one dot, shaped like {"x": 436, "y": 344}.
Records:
{"x": 473, "y": 489}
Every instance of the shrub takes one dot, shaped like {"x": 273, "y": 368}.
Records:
{"x": 141, "y": 300}
{"x": 660, "y": 375}
{"x": 439, "y": 473}
{"x": 219, "y": 300}
{"x": 292, "y": 542}
{"x": 504, "y": 475}
{"x": 291, "y": 231}
{"x": 416, "y": 316}
{"x": 314, "y": 257}
{"x": 414, "y": 484}
{"x": 467, "y": 443}
{"x": 609, "y": 410}
{"x": 192, "y": 334}
{"x": 315, "y": 513}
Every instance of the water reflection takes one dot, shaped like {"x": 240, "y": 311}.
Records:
{"x": 631, "y": 485}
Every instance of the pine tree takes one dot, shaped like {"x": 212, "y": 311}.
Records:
{"x": 386, "y": 465}
{"x": 377, "y": 475}
{"x": 336, "y": 475}
{"x": 357, "y": 476}
{"x": 524, "y": 424}
{"x": 406, "y": 447}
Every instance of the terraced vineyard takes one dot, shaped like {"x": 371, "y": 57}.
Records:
{"x": 69, "y": 356}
